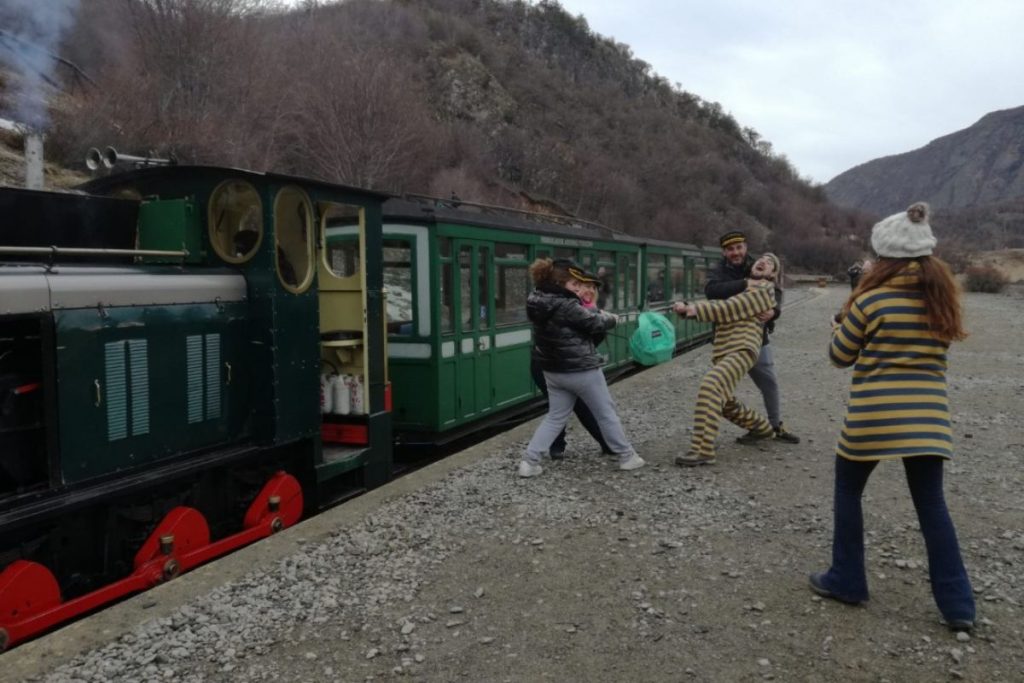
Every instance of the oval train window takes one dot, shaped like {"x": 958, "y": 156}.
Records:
{"x": 235, "y": 221}
{"x": 293, "y": 223}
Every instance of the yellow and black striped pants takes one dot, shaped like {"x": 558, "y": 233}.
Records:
{"x": 715, "y": 400}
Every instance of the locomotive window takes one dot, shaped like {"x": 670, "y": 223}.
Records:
{"x": 293, "y": 221}
{"x": 399, "y": 283}
{"x": 340, "y": 234}
{"x": 343, "y": 256}
{"x": 677, "y": 277}
{"x": 235, "y": 221}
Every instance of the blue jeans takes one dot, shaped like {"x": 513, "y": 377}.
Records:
{"x": 763, "y": 374}
{"x": 847, "y": 579}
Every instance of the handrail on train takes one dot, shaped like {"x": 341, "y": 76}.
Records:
{"x": 55, "y": 251}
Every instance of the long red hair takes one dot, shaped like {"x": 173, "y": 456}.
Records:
{"x": 941, "y": 292}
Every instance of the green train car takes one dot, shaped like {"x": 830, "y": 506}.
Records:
{"x": 193, "y": 358}
{"x": 457, "y": 281}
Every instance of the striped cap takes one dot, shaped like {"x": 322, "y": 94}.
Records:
{"x": 733, "y": 237}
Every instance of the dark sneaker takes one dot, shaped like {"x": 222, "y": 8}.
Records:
{"x": 960, "y": 624}
{"x": 557, "y": 455}
{"x": 782, "y": 435}
{"x": 692, "y": 459}
{"x": 755, "y": 437}
{"x": 818, "y": 587}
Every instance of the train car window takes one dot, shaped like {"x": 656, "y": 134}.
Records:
{"x": 504, "y": 250}
{"x": 565, "y": 252}
{"x": 700, "y": 277}
{"x": 677, "y": 271}
{"x": 235, "y": 221}
{"x": 447, "y": 319}
{"x": 655, "y": 278}
{"x": 628, "y": 281}
{"x": 606, "y": 274}
{"x": 483, "y": 287}
{"x": 398, "y": 280}
{"x": 293, "y": 222}
{"x": 444, "y": 247}
{"x": 466, "y": 288}
{"x": 513, "y": 287}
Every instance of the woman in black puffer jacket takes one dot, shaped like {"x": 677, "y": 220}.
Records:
{"x": 564, "y": 348}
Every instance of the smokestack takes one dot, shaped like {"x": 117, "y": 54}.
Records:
{"x": 33, "y": 160}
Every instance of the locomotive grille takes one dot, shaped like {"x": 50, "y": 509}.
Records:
{"x": 127, "y": 388}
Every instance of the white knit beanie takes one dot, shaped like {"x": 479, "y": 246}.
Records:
{"x": 904, "y": 235}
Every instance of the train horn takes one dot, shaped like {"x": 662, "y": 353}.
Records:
{"x": 109, "y": 157}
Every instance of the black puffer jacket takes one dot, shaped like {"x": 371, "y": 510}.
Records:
{"x": 564, "y": 331}
{"x": 726, "y": 280}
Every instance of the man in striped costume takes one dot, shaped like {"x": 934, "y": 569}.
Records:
{"x": 736, "y": 346}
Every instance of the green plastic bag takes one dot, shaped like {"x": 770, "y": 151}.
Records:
{"x": 654, "y": 339}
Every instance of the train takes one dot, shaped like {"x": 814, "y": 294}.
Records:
{"x": 193, "y": 358}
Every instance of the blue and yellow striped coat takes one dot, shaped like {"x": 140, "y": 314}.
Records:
{"x": 898, "y": 405}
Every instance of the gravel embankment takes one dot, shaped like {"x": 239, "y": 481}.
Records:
{"x": 667, "y": 574}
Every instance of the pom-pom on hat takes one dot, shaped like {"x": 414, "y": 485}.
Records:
{"x": 904, "y": 235}
{"x": 732, "y": 237}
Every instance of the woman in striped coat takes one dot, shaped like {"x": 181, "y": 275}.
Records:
{"x": 894, "y": 330}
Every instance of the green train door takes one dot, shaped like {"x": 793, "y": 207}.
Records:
{"x": 474, "y": 333}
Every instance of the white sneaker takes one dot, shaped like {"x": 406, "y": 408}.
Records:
{"x": 528, "y": 469}
{"x": 633, "y": 462}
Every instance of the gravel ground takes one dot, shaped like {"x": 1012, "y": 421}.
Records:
{"x": 661, "y": 574}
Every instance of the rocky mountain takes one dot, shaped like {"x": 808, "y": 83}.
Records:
{"x": 979, "y": 166}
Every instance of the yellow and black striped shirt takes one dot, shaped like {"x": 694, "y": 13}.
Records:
{"x": 736, "y": 327}
{"x": 898, "y": 405}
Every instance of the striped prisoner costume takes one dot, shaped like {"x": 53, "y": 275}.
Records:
{"x": 898, "y": 405}
{"x": 735, "y": 349}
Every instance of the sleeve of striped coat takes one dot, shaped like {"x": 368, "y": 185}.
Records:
{"x": 739, "y": 307}
{"x": 848, "y": 338}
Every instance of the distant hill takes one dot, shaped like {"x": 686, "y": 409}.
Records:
{"x": 979, "y": 166}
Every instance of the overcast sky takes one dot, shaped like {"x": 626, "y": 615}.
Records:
{"x": 831, "y": 84}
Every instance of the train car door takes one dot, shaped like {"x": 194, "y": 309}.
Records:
{"x": 474, "y": 331}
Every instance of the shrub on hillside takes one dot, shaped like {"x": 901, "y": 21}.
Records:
{"x": 985, "y": 279}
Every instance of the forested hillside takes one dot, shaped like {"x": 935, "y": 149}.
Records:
{"x": 496, "y": 101}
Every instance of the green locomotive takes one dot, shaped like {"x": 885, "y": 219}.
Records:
{"x": 192, "y": 358}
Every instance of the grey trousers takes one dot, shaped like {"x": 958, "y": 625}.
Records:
{"x": 763, "y": 374}
{"x": 563, "y": 390}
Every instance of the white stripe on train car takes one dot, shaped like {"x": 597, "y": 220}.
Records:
{"x": 504, "y": 339}
{"x": 404, "y": 350}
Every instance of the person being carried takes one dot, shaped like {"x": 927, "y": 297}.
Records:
{"x": 726, "y": 279}
{"x": 588, "y": 295}
{"x": 735, "y": 349}
{"x": 564, "y": 348}
{"x": 895, "y": 330}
